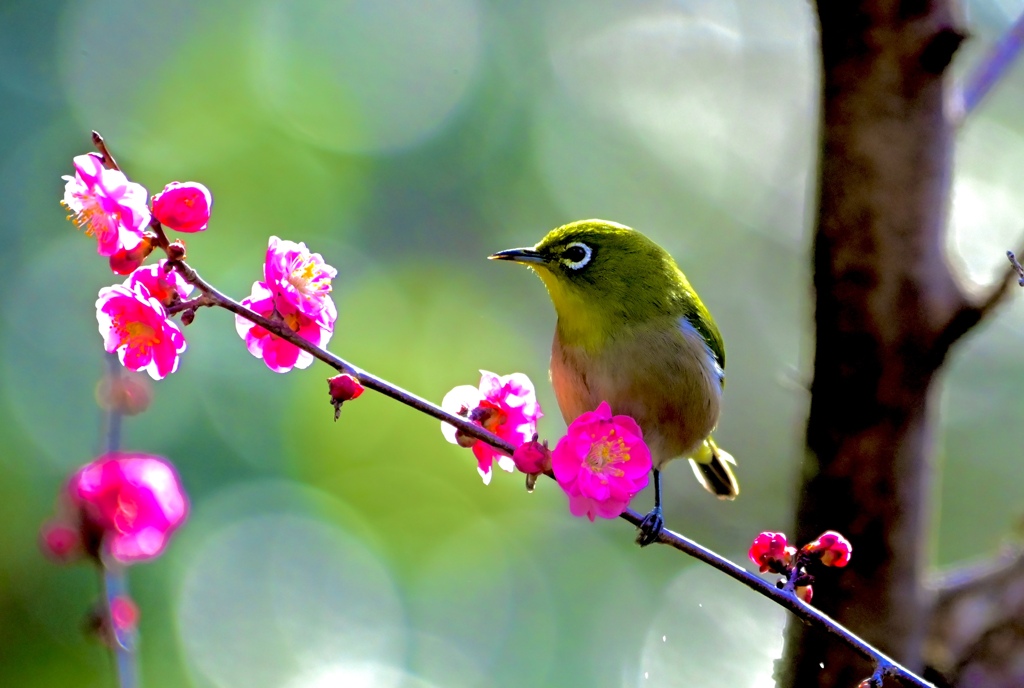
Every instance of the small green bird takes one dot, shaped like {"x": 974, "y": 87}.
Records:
{"x": 632, "y": 331}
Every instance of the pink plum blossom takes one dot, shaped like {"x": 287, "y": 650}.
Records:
{"x": 280, "y": 355}
{"x": 183, "y": 206}
{"x": 165, "y": 286}
{"x": 601, "y": 463}
{"x": 132, "y": 502}
{"x": 300, "y": 279}
{"x": 106, "y": 205}
{"x": 135, "y": 325}
{"x": 504, "y": 405}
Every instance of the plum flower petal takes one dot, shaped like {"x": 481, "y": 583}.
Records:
{"x": 135, "y": 325}
{"x": 601, "y": 463}
{"x": 504, "y": 405}
{"x": 300, "y": 279}
{"x": 106, "y": 205}
{"x": 183, "y": 206}
{"x": 132, "y": 501}
{"x": 278, "y": 354}
{"x": 165, "y": 286}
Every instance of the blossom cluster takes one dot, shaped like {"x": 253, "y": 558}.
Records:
{"x": 135, "y": 317}
{"x": 601, "y": 463}
{"x": 773, "y": 553}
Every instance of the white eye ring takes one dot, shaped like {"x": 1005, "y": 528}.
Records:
{"x": 577, "y": 264}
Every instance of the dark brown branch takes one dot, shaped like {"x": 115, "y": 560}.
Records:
{"x": 973, "y": 604}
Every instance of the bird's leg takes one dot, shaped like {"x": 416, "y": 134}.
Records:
{"x": 653, "y": 523}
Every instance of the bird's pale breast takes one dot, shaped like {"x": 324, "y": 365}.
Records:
{"x": 661, "y": 374}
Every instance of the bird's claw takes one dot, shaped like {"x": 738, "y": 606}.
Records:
{"x": 650, "y": 528}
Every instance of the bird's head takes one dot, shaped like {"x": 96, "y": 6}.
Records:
{"x": 603, "y": 276}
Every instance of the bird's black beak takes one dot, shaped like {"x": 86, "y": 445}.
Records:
{"x": 527, "y": 256}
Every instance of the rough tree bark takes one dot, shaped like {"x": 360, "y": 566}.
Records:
{"x": 888, "y": 307}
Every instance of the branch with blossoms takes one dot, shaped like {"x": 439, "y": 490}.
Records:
{"x": 601, "y": 463}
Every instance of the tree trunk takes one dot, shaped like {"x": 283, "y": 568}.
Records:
{"x": 887, "y": 309}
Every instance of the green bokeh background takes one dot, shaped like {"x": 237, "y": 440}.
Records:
{"x": 405, "y": 141}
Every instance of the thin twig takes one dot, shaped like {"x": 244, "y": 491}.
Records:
{"x": 993, "y": 67}
{"x": 113, "y": 580}
{"x": 786, "y": 599}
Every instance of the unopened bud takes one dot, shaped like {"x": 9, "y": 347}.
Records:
{"x": 532, "y": 457}
{"x": 343, "y": 388}
{"x": 831, "y": 548}
{"x": 805, "y": 593}
{"x": 176, "y": 250}
{"x": 187, "y": 316}
{"x": 125, "y": 262}
{"x": 464, "y": 440}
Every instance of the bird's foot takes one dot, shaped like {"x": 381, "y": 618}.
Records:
{"x": 650, "y": 528}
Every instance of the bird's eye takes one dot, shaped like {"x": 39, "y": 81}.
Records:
{"x": 576, "y": 255}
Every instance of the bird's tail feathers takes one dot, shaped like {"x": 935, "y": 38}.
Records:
{"x": 713, "y": 468}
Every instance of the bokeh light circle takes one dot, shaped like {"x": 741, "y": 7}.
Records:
{"x": 710, "y": 631}
{"x": 365, "y": 76}
{"x": 280, "y": 598}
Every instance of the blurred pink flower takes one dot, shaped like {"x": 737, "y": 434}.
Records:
{"x": 183, "y": 206}
{"x": 280, "y": 355}
{"x": 166, "y": 287}
{"x": 124, "y": 613}
{"x": 61, "y": 542}
{"x": 106, "y": 205}
{"x": 133, "y": 502}
{"x": 601, "y": 463}
{"x": 135, "y": 325}
{"x": 300, "y": 279}
{"x": 504, "y": 405}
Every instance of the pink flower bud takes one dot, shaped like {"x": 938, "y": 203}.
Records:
{"x": 532, "y": 457}
{"x": 805, "y": 593}
{"x": 831, "y": 547}
{"x": 125, "y": 261}
{"x": 183, "y": 206}
{"x": 771, "y": 552}
{"x": 343, "y": 388}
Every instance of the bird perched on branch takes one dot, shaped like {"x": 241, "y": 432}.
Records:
{"x": 632, "y": 331}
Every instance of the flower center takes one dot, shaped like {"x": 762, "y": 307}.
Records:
{"x": 137, "y": 335}
{"x": 606, "y": 451}
{"x": 91, "y": 218}
{"x": 308, "y": 279}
